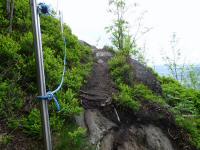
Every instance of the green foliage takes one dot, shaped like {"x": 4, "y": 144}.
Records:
{"x": 192, "y": 126}
{"x": 129, "y": 92}
{"x": 56, "y": 122}
{"x": 119, "y": 30}
{"x": 140, "y": 91}
{"x": 5, "y": 139}
{"x": 9, "y": 57}
{"x": 52, "y": 75}
{"x": 192, "y": 77}
{"x": 119, "y": 27}
{"x": 4, "y": 20}
{"x": 32, "y": 123}
{"x": 22, "y": 16}
{"x": 11, "y": 99}
{"x": 119, "y": 33}
{"x": 69, "y": 104}
{"x": 125, "y": 97}
{"x": 120, "y": 70}
{"x": 8, "y": 47}
{"x": 185, "y": 106}
{"x": 26, "y": 44}
{"x": 183, "y": 102}
{"x": 18, "y": 85}
{"x": 75, "y": 77}
{"x": 73, "y": 138}
{"x": 121, "y": 74}
{"x": 174, "y": 93}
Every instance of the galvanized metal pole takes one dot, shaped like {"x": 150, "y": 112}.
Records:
{"x": 40, "y": 75}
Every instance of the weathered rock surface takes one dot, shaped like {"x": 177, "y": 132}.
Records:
{"x": 107, "y": 141}
{"x": 98, "y": 125}
{"x": 156, "y": 139}
{"x": 144, "y": 75}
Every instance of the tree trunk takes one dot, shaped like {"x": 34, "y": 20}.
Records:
{"x": 11, "y": 17}
{"x": 8, "y": 8}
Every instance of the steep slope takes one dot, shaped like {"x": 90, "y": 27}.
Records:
{"x": 112, "y": 128}
{"x": 119, "y": 114}
{"x": 20, "y": 121}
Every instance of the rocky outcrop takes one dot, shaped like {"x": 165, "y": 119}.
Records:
{"x": 102, "y": 119}
{"x": 145, "y": 76}
{"x": 98, "y": 125}
{"x": 111, "y": 127}
{"x": 142, "y": 137}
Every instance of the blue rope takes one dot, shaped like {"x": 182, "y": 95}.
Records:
{"x": 44, "y": 9}
{"x": 64, "y": 68}
{"x": 51, "y": 94}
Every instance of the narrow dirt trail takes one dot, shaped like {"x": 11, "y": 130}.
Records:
{"x": 98, "y": 90}
{"x": 142, "y": 131}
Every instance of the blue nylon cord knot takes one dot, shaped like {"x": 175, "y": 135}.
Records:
{"x": 49, "y": 96}
{"x": 44, "y": 8}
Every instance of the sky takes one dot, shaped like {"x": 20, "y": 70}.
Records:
{"x": 88, "y": 18}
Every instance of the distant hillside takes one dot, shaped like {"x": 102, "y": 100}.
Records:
{"x": 163, "y": 70}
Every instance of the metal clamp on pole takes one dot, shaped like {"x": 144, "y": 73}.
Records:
{"x": 40, "y": 75}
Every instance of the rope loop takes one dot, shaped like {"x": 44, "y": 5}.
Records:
{"x": 49, "y": 96}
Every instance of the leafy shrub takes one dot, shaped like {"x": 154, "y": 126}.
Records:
{"x": 32, "y": 123}
{"x": 184, "y": 104}
{"x": 11, "y": 99}
{"x": 192, "y": 126}
{"x": 69, "y": 104}
{"x": 142, "y": 92}
{"x": 125, "y": 97}
{"x": 120, "y": 69}
{"x": 73, "y": 138}
{"x": 121, "y": 74}
{"x": 5, "y": 139}
{"x": 18, "y": 71}
{"x": 56, "y": 122}
{"x": 9, "y": 58}
{"x": 74, "y": 78}
{"x": 9, "y": 48}
{"x": 174, "y": 93}
{"x": 26, "y": 44}
{"x": 53, "y": 68}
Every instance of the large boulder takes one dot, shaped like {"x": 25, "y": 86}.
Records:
{"x": 98, "y": 126}
{"x": 144, "y": 75}
{"x": 142, "y": 137}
